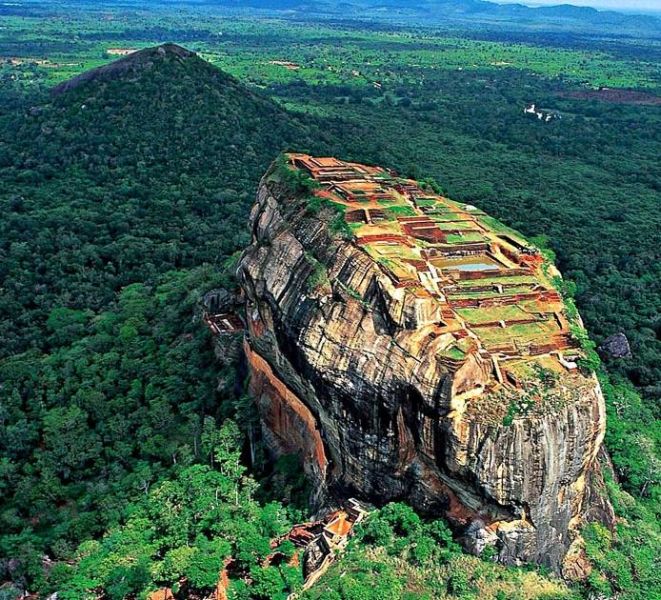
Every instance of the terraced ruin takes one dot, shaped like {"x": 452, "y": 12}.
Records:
{"x": 492, "y": 289}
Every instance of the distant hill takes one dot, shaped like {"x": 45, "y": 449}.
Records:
{"x": 147, "y": 164}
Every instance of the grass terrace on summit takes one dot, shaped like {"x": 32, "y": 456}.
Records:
{"x": 496, "y": 290}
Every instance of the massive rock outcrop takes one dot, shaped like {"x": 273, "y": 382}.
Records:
{"x": 407, "y": 347}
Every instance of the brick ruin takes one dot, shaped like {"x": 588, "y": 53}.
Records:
{"x": 320, "y": 542}
{"x": 494, "y": 288}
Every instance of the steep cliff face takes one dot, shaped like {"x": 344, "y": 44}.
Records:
{"x": 409, "y": 347}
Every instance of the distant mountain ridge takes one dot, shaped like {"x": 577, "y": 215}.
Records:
{"x": 442, "y": 11}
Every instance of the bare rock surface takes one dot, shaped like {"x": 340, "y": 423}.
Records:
{"x": 616, "y": 346}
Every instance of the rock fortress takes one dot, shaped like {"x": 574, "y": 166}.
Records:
{"x": 409, "y": 347}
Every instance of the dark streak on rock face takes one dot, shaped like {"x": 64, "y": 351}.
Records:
{"x": 384, "y": 409}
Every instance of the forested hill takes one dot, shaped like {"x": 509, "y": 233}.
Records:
{"x": 120, "y": 177}
{"x": 129, "y": 66}
{"x": 122, "y": 197}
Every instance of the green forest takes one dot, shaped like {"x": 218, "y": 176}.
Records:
{"x": 124, "y": 465}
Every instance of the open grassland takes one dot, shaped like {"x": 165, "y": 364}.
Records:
{"x": 268, "y": 51}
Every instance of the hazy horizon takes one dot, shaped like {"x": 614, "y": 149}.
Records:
{"x": 619, "y": 5}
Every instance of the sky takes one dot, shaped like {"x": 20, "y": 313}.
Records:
{"x": 622, "y": 5}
